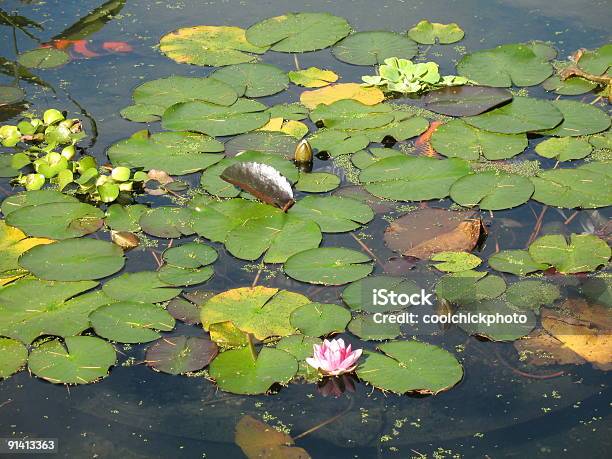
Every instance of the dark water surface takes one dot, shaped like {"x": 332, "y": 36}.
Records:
{"x": 496, "y": 411}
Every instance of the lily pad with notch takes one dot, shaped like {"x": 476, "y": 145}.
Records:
{"x": 465, "y": 100}
{"x": 180, "y": 354}
{"x": 167, "y": 222}
{"x": 517, "y": 262}
{"x": 492, "y": 190}
{"x": 469, "y": 286}
{"x": 372, "y": 48}
{"x": 253, "y": 80}
{"x": 271, "y": 143}
{"x": 320, "y": 319}
{"x": 578, "y": 119}
{"x": 317, "y": 182}
{"x": 338, "y": 142}
{"x": 328, "y": 266}
{"x": 333, "y": 214}
{"x": 360, "y": 295}
{"x": 509, "y": 329}
{"x": 564, "y": 148}
{"x": 531, "y": 294}
{"x": 365, "y": 327}
{"x": 312, "y": 77}
{"x": 428, "y": 33}
{"x": 582, "y": 253}
{"x": 13, "y": 356}
{"x": 142, "y": 286}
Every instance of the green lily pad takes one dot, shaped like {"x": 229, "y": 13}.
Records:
{"x": 215, "y": 120}
{"x": 372, "y": 48}
{"x": 73, "y": 260}
{"x": 337, "y": 143}
{"x": 130, "y": 322}
{"x": 597, "y": 61}
{"x": 517, "y": 262}
{"x": 298, "y": 32}
{"x": 253, "y": 80}
{"x": 249, "y": 229}
{"x": 366, "y": 158}
{"x": 212, "y": 182}
{"x": 213, "y": 46}
{"x": 427, "y": 33}
{"x": 602, "y": 141}
{"x": 301, "y": 347}
{"x": 177, "y": 276}
{"x": 491, "y": 190}
{"x": 240, "y": 371}
{"x": 143, "y": 287}
{"x": 190, "y": 255}
{"x": 43, "y": 58}
{"x": 532, "y": 294}
{"x": 454, "y": 262}
{"x": 523, "y": 114}
{"x": 79, "y": 360}
{"x": 312, "y": 77}
{"x": 510, "y": 330}
{"x": 410, "y": 366}
{"x": 124, "y": 218}
{"x": 583, "y": 252}
{"x": 262, "y": 311}
{"x": 457, "y": 139}
{"x": 271, "y": 143}
{"x": 564, "y": 148}
{"x": 465, "y": 100}
{"x": 6, "y": 166}
{"x": 31, "y": 307}
{"x": 33, "y": 198}
{"x": 10, "y": 95}
{"x": 180, "y": 354}
{"x": 469, "y": 286}
{"x": 57, "y": 220}
{"x": 13, "y": 356}
{"x": 142, "y": 113}
{"x": 583, "y": 187}
{"x": 319, "y": 319}
{"x": 167, "y": 222}
{"x": 317, "y": 182}
{"x": 506, "y": 65}
{"x": 333, "y": 214}
{"x": 352, "y": 114}
{"x": 364, "y": 327}
{"x": 359, "y": 296}
{"x": 176, "y": 153}
{"x": 409, "y": 178}
{"x": 403, "y": 126}
{"x": 328, "y": 266}
{"x": 294, "y": 111}
{"x": 579, "y": 119}
{"x": 187, "y": 310}
{"x": 573, "y": 86}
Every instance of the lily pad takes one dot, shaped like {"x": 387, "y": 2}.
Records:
{"x": 317, "y": 182}
{"x": 13, "y": 356}
{"x": 523, "y": 114}
{"x": 143, "y": 287}
{"x": 564, "y": 148}
{"x": 360, "y": 295}
{"x": 583, "y": 187}
{"x": 457, "y": 139}
{"x": 582, "y": 253}
{"x": 167, "y": 222}
{"x": 469, "y": 286}
{"x": 410, "y": 366}
{"x": 10, "y": 95}
{"x": 216, "y": 120}
{"x": 32, "y": 307}
{"x": 298, "y": 32}
{"x": 517, "y": 262}
{"x": 190, "y": 255}
{"x": 341, "y": 91}
{"x": 240, "y": 371}
{"x": 43, "y": 58}
{"x": 428, "y": 33}
{"x": 333, "y": 214}
{"x": 491, "y": 190}
{"x": 409, "y": 178}
{"x": 176, "y": 153}
{"x": 453, "y": 262}
{"x": 352, "y": 114}
{"x": 366, "y": 158}
{"x": 13, "y": 242}
{"x": 506, "y": 65}
{"x": 177, "y": 276}
{"x": 532, "y": 294}
{"x": 465, "y": 100}
{"x": 403, "y": 126}
{"x": 185, "y": 310}
{"x": 364, "y": 327}
{"x": 572, "y": 86}
{"x": 124, "y": 218}
{"x": 249, "y": 229}
{"x": 271, "y": 143}
{"x": 597, "y": 61}
{"x": 253, "y": 80}
{"x": 518, "y": 323}
{"x": 180, "y": 354}
{"x": 130, "y": 322}
{"x": 213, "y": 46}
{"x": 33, "y": 198}
{"x": 301, "y": 347}
{"x": 579, "y": 119}
{"x": 319, "y": 319}
{"x": 262, "y": 311}
{"x": 73, "y": 260}
{"x": 79, "y": 360}
{"x": 328, "y": 266}
{"x": 372, "y": 48}
{"x": 337, "y": 143}
{"x": 312, "y": 77}
{"x": 56, "y": 220}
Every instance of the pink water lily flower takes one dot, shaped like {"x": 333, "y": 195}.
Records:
{"x": 334, "y": 357}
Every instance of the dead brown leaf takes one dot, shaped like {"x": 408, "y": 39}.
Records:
{"x": 258, "y": 440}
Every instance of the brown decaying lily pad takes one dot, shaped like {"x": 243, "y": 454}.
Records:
{"x": 181, "y": 354}
{"x": 425, "y": 232}
{"x": 259, "y": 440}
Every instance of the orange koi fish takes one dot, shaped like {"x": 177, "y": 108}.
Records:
{"x": 80, "y": 49}
{"x": 422, "y": 145}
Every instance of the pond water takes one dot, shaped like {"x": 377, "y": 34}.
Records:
{"x": 501, "y": 408}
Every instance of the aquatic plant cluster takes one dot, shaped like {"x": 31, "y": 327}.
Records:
{"x": 259, "y": 204}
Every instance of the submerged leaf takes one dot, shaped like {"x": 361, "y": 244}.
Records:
{"x": 257, "y": 440}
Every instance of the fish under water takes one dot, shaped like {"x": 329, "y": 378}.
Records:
{"x": 87, "y": 49}
{"x": 422, "y": 145}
